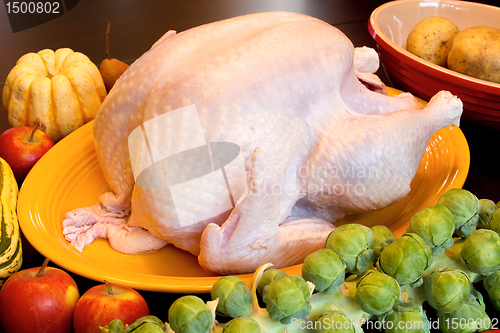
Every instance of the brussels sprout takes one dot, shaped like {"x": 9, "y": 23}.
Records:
{"x": 146, "y": 324}
{"x": 436, "y": 225}
{"x": 382, "y": 237}
{"x": 465, "y": 208}
{"x": 406, "y": 259}
{"x": 405, "y": 317}
{"x": 446, "y": 290}
{"x": 481, "y": 252}
{"x": 492, "y": 286}
{"x": 242, "y": 324}
{"x": 268, "y": 276}
{"x": 114, "y": 326}
{"x": 354, "y": 244}
{"x": 189, "y": 314}
{"x": 469, "y": 318}
{"x": 147, "y": 327}
{"x": 487, "y": 208}
{"x": 324, "y": 269}
{"x": 333, "y": 321}
{"x": 376, "y": 293}
{"x": 287, "y": 298}
{"x": 494, "y": 222}
{"x": 235, "y": 298}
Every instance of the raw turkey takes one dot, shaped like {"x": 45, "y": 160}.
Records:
{"x": 243, "y": 140}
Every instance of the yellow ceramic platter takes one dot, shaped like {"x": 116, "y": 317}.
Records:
{"x": 69, "y": 177}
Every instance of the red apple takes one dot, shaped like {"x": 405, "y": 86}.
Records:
{"x": 40, "y": 299}
{"x": 105, "y": 302}
{"x": 21, "y": 147}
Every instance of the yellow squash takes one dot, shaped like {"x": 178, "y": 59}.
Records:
{"x": 61, "y": 90}
{"x": 11, "y": 254}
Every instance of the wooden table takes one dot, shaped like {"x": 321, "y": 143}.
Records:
{"x": 136, "y": 25}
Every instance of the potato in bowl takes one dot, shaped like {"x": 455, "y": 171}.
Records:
{"x": 475, "y": 51}
{"x": 431, "y": 39}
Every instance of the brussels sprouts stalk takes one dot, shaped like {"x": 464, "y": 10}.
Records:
{"x": 395, "y": 277}
{"x": 256, "y": 309}
{"x": 260, "y": 315}
{"x": 212, "y": 306}
{"x": 342, "y": 299}
{"x": 450, "y": 258}
{"x": 338, "y": 304}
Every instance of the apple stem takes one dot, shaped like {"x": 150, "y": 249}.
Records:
{"x": 33, "y": 132}
{"x": 110, "y": 291}
{"x": 106, "y": 40}
{"x": 42, "y": 269}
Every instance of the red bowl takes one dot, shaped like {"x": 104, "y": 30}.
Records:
{"x": 390, "y": 24}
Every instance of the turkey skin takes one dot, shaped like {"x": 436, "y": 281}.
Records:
{"x": 243, "y": 141}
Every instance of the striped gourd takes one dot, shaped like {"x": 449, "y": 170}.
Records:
{"x": 11, "y": 256}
